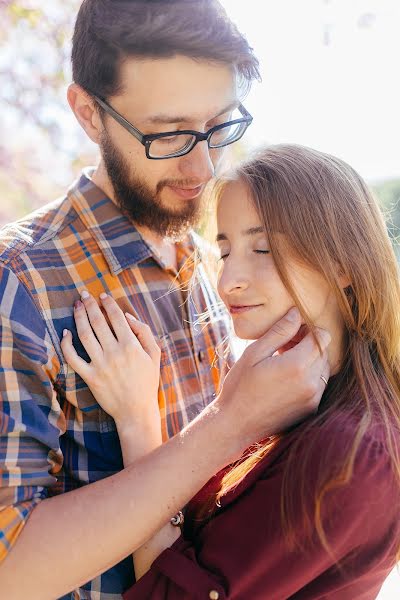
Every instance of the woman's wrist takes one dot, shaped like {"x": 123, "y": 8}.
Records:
{"x": 138, "y": 439}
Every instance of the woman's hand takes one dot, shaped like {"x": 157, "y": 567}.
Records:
{"x": 124, "y": 371}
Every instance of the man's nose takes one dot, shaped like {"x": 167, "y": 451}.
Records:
{"x": 198, "y": 164}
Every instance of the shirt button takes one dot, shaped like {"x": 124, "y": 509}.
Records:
{"x": 201, "y": 355}
{"x": 213, "y": 595}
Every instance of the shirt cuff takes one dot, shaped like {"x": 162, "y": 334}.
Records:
{"x": 177, "y": 565}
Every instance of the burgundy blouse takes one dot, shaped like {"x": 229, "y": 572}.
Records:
{"x": 241, "y": 553}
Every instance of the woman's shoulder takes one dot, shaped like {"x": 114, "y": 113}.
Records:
{"x": 326, "y": 445}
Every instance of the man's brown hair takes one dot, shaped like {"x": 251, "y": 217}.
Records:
{"x": 109, "y": 31}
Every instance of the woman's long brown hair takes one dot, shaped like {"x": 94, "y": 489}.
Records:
{"x": 332, "y": 223}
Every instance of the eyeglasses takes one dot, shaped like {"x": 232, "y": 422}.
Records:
{"x": 178, "y": 143}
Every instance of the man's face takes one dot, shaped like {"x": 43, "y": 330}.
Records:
{"x": 163, "y": 95}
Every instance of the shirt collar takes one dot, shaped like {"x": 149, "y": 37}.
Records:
{"x": 118, "y": 239}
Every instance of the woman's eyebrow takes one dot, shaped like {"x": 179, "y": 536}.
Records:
{"x": 253, "y": 230}
{"x": 220, "y": 237}
{"x": 250, "y": 231}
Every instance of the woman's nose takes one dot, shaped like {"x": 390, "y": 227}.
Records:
{"x": 232, "y": 280}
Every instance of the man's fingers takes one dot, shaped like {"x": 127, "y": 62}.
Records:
{"x": 145, "y": 336}
{"x": 280, "y": 334}
{"x": 308, "y": 349}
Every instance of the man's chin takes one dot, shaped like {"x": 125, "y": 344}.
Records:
{"x": 177, "y": 206}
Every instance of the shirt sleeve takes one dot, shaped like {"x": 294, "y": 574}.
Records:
{"x": 30, "y": 415}
{"x": 242, "y": 553}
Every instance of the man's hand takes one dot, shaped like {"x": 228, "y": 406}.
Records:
{"x": 264, "y": 392}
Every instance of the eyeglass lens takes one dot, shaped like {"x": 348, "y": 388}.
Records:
{"x": 181, "y": 143}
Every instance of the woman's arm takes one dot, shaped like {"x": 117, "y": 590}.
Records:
{"x": 135, "y": 445}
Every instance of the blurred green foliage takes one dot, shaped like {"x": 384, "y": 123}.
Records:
{"x": 388, "y": 195}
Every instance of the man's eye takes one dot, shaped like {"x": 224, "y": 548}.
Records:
{"x": 169, "y": 139}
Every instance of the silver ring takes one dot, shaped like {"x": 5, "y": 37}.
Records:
{"x": 324, "y": 380}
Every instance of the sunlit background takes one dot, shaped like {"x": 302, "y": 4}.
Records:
{"x": 330, "y": 72}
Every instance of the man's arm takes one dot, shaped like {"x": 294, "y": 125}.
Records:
{"x": 96, "y": 526}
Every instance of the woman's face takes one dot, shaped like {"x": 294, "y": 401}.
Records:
{"x": 248, "y": 281}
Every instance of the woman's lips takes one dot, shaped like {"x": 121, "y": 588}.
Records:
{"x": 187, "y": 193}
{"x": 234, "y": 310}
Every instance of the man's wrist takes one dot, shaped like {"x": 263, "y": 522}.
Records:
{"x": 225, "y": 431}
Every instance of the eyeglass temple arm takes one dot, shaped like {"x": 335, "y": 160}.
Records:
{"x": 121, "y": 120}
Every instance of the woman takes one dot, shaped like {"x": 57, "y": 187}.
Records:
{"x": 311, "y": 513}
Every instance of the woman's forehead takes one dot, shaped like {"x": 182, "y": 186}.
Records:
{"x": 235, "y": 204}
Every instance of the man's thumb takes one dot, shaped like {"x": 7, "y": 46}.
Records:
{"x": 280, "y": 334}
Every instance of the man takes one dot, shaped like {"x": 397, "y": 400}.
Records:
{"x": 156, "y": 86}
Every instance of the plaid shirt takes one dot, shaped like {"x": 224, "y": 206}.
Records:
{"x": 54, "y": 436}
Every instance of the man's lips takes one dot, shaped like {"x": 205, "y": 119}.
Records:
{"x": 187, "y": 193}
{"x": 240, "y": 308}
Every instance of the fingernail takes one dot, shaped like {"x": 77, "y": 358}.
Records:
{"x": 65, "y": 332}
{"x": 103, "y": 296}
{"x": 78, "y": 305}
{"x": 131, "y": 317}
{"x": 85, "y": 295}
{"x": 293, "y": 314}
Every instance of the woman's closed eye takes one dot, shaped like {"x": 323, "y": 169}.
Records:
{"x": 225, "y": 255}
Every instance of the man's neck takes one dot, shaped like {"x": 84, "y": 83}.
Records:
{"x": 101, "y": 179}
{"x": 164, "y": 247}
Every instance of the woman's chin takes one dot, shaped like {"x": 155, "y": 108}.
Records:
{"x": 248, "y": 332}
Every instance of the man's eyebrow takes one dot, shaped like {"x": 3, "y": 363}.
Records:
{"x": 162, "y": 119}
{"x": 251, "y": 231}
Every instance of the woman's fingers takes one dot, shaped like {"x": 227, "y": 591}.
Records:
{"x": 85, "y": 332}
{"x": 145, "y": 336}
{"x": 71, "y": 356}
{"x": 117, "y": 319}
{"x": 98, "y": 322}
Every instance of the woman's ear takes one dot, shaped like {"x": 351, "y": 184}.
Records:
{"x": 344, "y": 280}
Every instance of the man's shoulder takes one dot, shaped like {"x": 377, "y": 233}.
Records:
{"x": 35, "y": 229}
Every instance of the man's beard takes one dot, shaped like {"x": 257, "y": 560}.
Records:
{"x": 143, "y": 206}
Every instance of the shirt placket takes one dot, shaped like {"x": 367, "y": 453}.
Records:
{"x": 192, "y": 302}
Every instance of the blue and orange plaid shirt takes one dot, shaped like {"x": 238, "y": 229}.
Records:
{"x": 54, "y": 437}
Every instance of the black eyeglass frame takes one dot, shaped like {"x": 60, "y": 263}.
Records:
{"x": 147, "y": 139}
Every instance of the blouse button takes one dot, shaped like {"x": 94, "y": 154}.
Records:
{"x": 213, "y": 595}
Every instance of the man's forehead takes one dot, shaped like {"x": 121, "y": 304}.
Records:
{"x": 177, "y": 89}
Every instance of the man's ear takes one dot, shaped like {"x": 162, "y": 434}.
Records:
{"x": 84, "y": 108}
